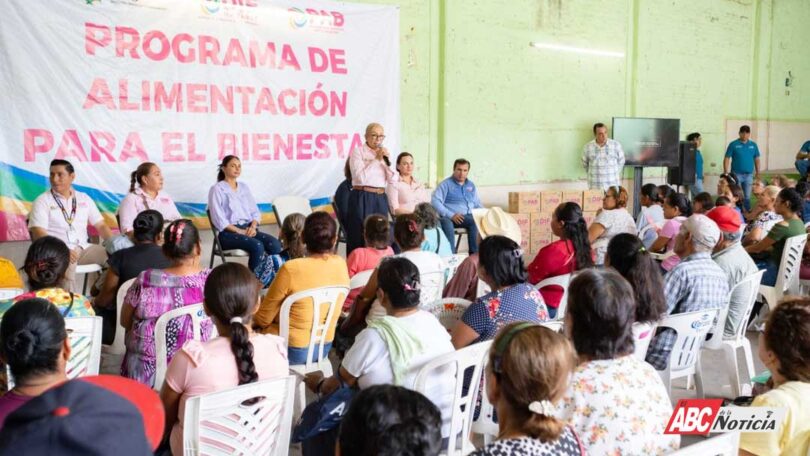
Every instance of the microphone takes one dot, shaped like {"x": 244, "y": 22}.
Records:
{"x": 387, "y": 161}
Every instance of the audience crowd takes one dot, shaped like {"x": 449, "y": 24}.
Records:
{"x": 586, "y": 389}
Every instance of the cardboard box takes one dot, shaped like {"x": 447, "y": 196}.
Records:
{"x": 592, "y": 200}
{"x": 589, "y": 217}
{"x": 540, "y": 223}
{"x": 524, "y": 222}
{"x": 524, "y": 202}
{"x": 549, "y": 201}
{"x": 573, "y": 196}
{"x": 538, "y": 241}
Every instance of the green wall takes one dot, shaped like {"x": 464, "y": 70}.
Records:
{"x": 473, "y": 87}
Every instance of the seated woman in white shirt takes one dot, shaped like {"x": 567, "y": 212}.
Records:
{"x": 394, "y": 347}
{"x": 148, "y": 194}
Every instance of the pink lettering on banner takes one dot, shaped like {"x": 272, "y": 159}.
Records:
{"x": 321, "y": 61}
{"x": 36, "y": 141}
{"x": 99, "y": 94}
{"x": 71, "y": 147}
{"x": 292, "y": 147}
{"x": 171, "y": 146}
{"x": 95, "y": 36}
{"x": 196, "y": 96}
{"x": 163, "y": 50}
{"x": 123, "y": 97}
{"x": 260, "y": 144}
{"x": 101, "y": 143}
{"x": 303, "y": 145}
{"x": 133, "y": 148}
{"x": 189, "y": 54}
{"x": 126, "y": 39}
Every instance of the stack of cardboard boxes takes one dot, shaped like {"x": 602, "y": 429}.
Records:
{"x": 532, "y": 212}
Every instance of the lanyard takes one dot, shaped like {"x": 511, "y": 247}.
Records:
{"x": 70, "y": 219}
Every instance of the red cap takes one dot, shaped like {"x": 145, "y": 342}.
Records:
{"x": 726, "y": 218}
{"x": 142, "y": 397}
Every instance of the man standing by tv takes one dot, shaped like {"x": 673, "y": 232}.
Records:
{"x": 742, "y": 157}
{"x": 603, "y": 160}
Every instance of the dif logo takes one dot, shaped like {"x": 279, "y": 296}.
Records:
{"x": 213, "y": 6}
{"x": 329, "y": 20}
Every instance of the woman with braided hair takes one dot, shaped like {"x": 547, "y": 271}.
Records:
{"x": 45, "y": 265}
{"x": 237, "y": 357}
{"x": 157, "y": 291}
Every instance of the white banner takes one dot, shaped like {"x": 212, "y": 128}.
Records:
{"x": 288, "y": 86}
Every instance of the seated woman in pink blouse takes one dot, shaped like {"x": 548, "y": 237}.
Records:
{"x": 157, "y": 291}
{"x": 147, "y": 195}
{"x": 237, "y": 357}
{"x": 405, "y": 193}
{"x": 676, "y": 210}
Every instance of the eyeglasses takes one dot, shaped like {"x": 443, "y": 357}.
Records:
{"x": 380, "y": 137}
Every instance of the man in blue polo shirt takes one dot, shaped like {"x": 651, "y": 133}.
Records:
{"x": 803, "y": 159}
{"x": 697, "y": 140}
{"x": 742, "y": 157}
{"x": 454, "y": 200}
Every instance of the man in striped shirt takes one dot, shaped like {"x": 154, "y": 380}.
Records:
{"x": 696, "y": 283}
{"x": 603, "y": 160}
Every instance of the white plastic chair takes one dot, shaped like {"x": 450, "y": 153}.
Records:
{"x": 726, "y": 444}
{"x": 642, "y": 233}
{"x": 229, "y": 423}
{"x": 463, "y": 405}
{"x": 787, "y": 278}
{"x": 321, "y": 324}
{"x": 286, "y": 205}
{"x": 87, "y": 269}
{"x": 448, "y": 310}
{"x": 554, "y": 325}
{"x": 84, "y": 334}
{"x": 197, "y": 315}
{"x": 642, "y": 336}
{"x": 749, "y": 287}
{"x": 8, "y": 293}
{"x": 360, "y": 279}
{"x": 431, "y": 287}
{"x": 691, "y": 329}
{"x": 485, "y": 425}
{"x": 118, "y": 346}
{"x": 562, "y": 281}
{"x": 216, "y": 247}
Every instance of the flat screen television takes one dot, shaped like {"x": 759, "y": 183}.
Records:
{"x": 648, "y": 142}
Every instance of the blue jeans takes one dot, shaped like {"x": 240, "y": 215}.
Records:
{"x": 255, "y": 246}
{"x": 771, "y": 272}
{"x": 696, "y": 188}
{"x": 448, "y": 225}
{"x": 802, "y": 166}
{"x": 746, "y": 181}
{"x": 299, "y": 355}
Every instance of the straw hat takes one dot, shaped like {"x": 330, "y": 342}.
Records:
{"x": 494, "y": 221}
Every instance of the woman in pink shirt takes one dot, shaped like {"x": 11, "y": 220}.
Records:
{"x": 376, "y": 232}
{"x": 406, "y": 192}
{"x": 237, "y": 357}
{"x": 571, "y": 253}
{"x": 677, "y": 209}
{"x": 147, "y": 195}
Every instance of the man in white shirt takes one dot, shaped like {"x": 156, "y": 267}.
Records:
{"x": 64, "y": 213}
{"x": 603, "y": 160}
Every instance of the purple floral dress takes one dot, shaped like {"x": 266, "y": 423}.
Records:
{"x": 154, "y": 293}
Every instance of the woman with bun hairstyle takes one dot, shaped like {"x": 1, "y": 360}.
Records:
{"x": 393, "y": 348}
{"x": 570, "y": 253}
{"x": 145, "y": 192}
{"x": 126, "y": 264}
{"x": 35, "y": 346}
{"x": 157, "y": 291}
{"x": 611, "y": 220}
{"x": 45, "y": 265}
{"x": 528, "y": 371}
{"x": 238, "y": 356}
{"x": 235, "y": 214}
